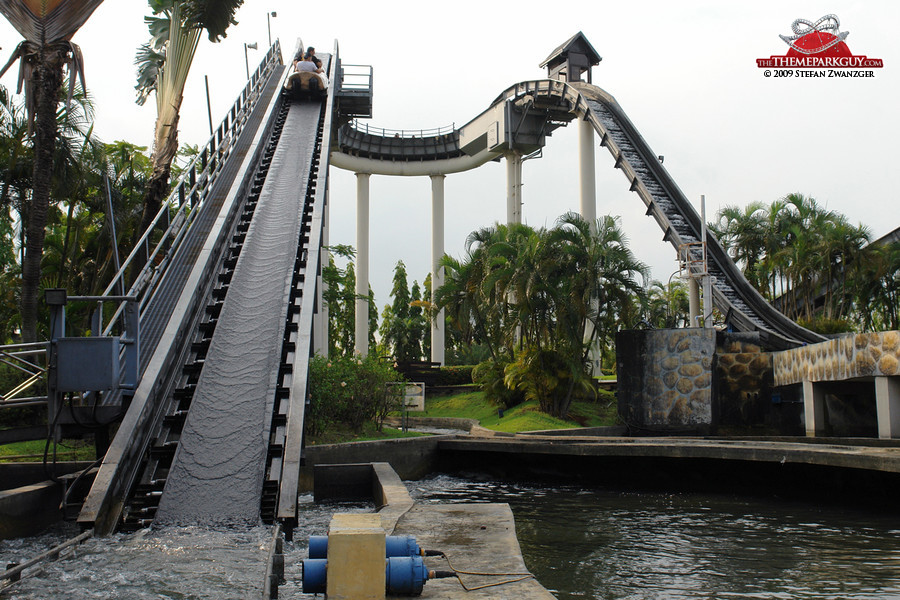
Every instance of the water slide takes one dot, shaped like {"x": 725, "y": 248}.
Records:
{"x": 213, "y": 434}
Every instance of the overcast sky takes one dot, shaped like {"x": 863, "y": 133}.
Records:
{"x": 684, "y": 72}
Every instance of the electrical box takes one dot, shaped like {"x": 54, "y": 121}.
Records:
{"x": 87, "y": 364}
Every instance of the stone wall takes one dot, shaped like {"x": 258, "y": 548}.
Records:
{"x": 847, "y": 357}
{"x": 665, "y": 378}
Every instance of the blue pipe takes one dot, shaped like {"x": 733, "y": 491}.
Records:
{"x": 405, "y": 575}
{"x": 394, "y": 545}
{"x": 314, "y": 575}
{"x": 402, "y": 575}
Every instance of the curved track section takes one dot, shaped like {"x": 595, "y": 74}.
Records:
{"x": 742, "y": 305}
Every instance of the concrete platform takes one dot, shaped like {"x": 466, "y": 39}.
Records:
{"x": 477, "y": 538}
{"x": 875, "y": 457}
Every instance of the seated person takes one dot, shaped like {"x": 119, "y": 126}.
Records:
{"x": 307, "y": 65}
{"x": 310, "y": 54}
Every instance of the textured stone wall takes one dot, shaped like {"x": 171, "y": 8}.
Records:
{"x": 859, "y": 355}
{"x": 665, "y": 377}
{"x": 743, "y": 385}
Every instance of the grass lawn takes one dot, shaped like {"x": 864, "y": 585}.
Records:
{"x": 524, "y": 417}
{"x": 339, "y": 433}
{"x": 65, "y": 450}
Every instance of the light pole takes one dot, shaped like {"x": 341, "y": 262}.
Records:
{"x": 247, "y": 60}
{"x": 269, "y": 23}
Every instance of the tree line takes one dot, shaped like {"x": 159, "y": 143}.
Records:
{"x": 813, "y": 264}
{"x": 35, "y": 160}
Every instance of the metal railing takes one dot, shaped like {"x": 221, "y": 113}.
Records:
{"x": 355, "y": 79}
{"x": 402, "y": 133}
{"x": 29, "y": 361}
{"x": 177, "y": 213}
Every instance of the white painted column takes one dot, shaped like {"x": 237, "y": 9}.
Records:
{"x": 320, "y": 340}
{"x": 813, "y": 408}
{"x": 587, "y": 178}
{"x": 362, "y": 264}
{"x": 513, "y": 188}
{"x": 437, "y": 271}
{"x": 887, "y": 406}
{"x": 587, "y": 192}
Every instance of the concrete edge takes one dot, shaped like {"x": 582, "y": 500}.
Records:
{"x": 439, "y": 422}
{"x": 27, "y": 510}
{"x": 610, "y": 431}
{"x": 484, "y": 432}
{"x": 391, "y": 494}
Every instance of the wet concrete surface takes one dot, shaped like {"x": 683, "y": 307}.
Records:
{"x": 478, "y": 538}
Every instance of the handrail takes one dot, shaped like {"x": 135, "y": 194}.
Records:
{"x": 13, "y": 574}
{"x": 188, "y": 195}
{"x": 402, "y": 133}
{"x": 356, "y": 72}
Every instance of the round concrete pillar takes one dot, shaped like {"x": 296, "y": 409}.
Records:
{"x": 362, "y": 264}
{"x": 513, "y": 188}
{"x": 437, "y": 271}
{"x": 586, "y": 175}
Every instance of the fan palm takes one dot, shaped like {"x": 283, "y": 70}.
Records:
{"x": 163, "y": 66}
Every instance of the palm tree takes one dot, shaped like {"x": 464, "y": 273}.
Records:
{"x": 163, "y": 66}
{"x": 16, "y": 158}
{"x": 667, "y": 304}
{"x": 47, "y": 28}
{"x": 542, "y": 299}
{"x": 877, "y": 288}
{"x": 742, "y": 232}
{"x": 460, "y": 296}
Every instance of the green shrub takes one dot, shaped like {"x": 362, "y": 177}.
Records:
{"x": 489, "y": 375}
{"x": 461, "y": 375}
{"x": 349, "y": 390}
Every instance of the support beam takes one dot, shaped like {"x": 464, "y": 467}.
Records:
{"x": 362, "y": 264}
{"x": 513, "y": 188}
{"x": 707, "y": 279}
{"x": 813, "y": 408}
{"x": 694, "y": 301}
{"x": 887, "y": 406}
{"x": 437, "y": 271}
{"x": 586, "y": 175}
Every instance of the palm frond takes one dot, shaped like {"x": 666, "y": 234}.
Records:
{"x": 215, "y": 16}
{"x": 47, "y": 21}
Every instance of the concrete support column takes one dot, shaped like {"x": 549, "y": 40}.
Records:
{"x": 437, "y": 271}
{"x": 513, "y": 188}
{"x": 887, "y": 406}
{"x": 813, "y": 408}
{"x": 320, "y": 325}
{"x": 362, "y": 264}
{"x": 586, "y": 175}
{"x": 694, "y": 301}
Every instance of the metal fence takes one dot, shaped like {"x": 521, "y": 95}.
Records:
{"x": 27, "y": 366}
